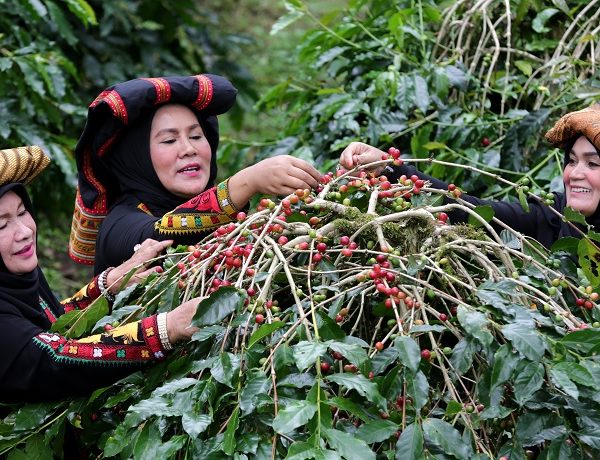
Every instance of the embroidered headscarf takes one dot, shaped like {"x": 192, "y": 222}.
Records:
{"x": 20, "y": 294}
{"x": 113, "y": 155}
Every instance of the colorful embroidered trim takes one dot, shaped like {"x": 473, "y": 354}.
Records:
{"x": 83, "y": 298}
{"x": 121, "y": 345}
{"x": 224, "y": 198}
{"x": 213, "y": 209}
{"x": 162, "y": 88}
{"x": 46, "y": 309}
{"x": 205, "y": 92}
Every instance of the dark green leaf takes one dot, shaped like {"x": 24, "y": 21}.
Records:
{"x": 445, "y": 436}
{"x": 295, "y": 414}
{"x": 229, "y": 441}
{"x": 572, "y": 215}
{"x": 475, "y": 324}
{"x": 462, "y": 356}
{"x": 485, "y": 211}
{"x": 362, "y": 385}
{"x": 257, "y": 384}
{"x": 350, "y": 407}
{"x": 352, "y": 352}
{"x": 505, "y": 362}
{"x": 225, "y": 369}
{"x": 348, "y": 446}
{"x": 377, "y": 431}
{"x": 218, "y": 305}
{"x": 194, "y": 423}
{"x": 528, "y": 381}
{"x": 526, "y": 340}
{"x": 589, "y": 260}
{"x": 306, "y": 353}
{"x": 264, "y": 331}
{"x": 540, "y": 20}
{"x": 33, "y": 415}
{"x": 561, "y": 379}
{"x": 410, "y": 443}
{"x": 418, "y": 387}
{"x": 409, "y": 352}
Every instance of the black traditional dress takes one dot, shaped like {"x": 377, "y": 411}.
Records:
{"x": 121, "y": 200}
{"x": 37, "y": 364}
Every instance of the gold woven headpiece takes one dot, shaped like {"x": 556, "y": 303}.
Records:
{"x": 22, "y": 164}
{"x": 584, "y": 122}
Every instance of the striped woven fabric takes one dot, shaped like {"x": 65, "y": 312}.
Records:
{"x": 22, "y": 164}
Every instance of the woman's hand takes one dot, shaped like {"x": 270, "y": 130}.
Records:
{"x": 146, "y": 251}
{"x": 179, "y": 321}
{"x": 359, "y": 153}
{"x": 279, "y": 175}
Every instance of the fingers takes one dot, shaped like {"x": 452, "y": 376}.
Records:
{"x": 358, "y": 153}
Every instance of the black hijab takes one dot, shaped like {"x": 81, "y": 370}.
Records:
{"x": 20, "y": 297}
{"x": 130, "y": 162}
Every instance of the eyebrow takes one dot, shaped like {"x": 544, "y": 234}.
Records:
{"x": 6, "y": 215}
{"x": 175, "y": 130}
{"x": 586, "y": 154}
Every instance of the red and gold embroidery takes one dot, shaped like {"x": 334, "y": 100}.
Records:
{"x": 163, "y": 89}
{"x": 83, "y": 298}
{"x": 205, "y": 211}
{"x": 205, "y": 92}
{"x": 123, "y": 345}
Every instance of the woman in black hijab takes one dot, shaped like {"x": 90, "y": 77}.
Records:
{"x": 36, "y": 364}
{"x": 577, "y": 133}
{"x": 147, "y": 164}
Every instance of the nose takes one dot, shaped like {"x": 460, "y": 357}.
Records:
{"x": 188, "y": 149}
{"x": 23, "y": 232}
{"x": 577, "y": 171}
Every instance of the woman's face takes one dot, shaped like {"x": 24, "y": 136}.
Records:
{"x": 17, "y": 235}
{"x": 582, "y": 177}
{"x": 179, "y": 151}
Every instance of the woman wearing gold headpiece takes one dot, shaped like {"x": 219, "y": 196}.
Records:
{"x": 36, "y": 364}
{"x": 577, "y": 133}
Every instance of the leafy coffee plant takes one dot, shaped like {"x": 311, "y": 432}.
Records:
{"x": 355, "y": 322}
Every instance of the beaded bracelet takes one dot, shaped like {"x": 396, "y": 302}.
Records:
{"x": 161, "y": 322}
{"x": 102, "y": 285}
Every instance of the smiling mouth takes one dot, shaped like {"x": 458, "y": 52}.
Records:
{"x": 189, "y": 169}
{"x": 25, "y": 249}
{"x": 580, "y": 190}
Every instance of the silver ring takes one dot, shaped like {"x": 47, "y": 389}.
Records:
{"x": 136, "y": 247}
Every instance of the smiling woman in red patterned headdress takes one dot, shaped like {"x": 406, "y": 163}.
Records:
{"x": 147, "y": 164}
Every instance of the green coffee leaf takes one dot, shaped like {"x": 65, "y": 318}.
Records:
{"x": 218, "y": 305}
{"x": 348, "y": 446}
{"x": 296, "y": 414}
{"x": 410, "y": 443}
{"x": 409, "y": 352}
{"x": 446, "y": 437}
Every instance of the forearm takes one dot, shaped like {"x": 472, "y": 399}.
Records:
{"x": 241, "y": 188}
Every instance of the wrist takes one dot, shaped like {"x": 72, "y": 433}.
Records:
{"x": 163, "y": 335}
{"x": 103, "y": 285}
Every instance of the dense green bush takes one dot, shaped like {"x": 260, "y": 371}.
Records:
{"x": 427, "y": 340}
{"x": 466, "y": 81}
{"x": 360, "y": 327}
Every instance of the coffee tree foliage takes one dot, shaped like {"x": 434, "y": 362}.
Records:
{"x": 357, "y": 321}
{"x": 57, "y": 55}
{"x": 474, "y": 82}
